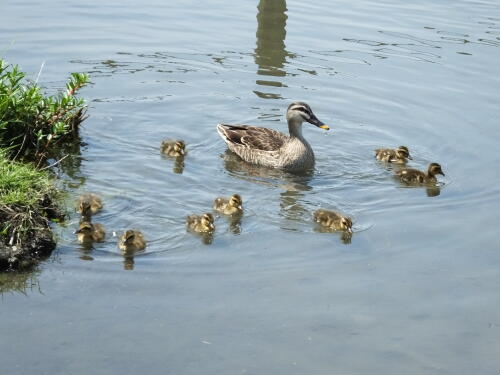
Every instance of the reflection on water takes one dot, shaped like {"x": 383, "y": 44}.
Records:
{"x": 177, "y": 163}
{"x": 345, "y": 237}
{"x": 270, "y": 53}
{"x": 20, "y": 282}
{"x": 293, "y": 185}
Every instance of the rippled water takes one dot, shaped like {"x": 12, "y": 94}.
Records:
{"x": 416, "y": 289}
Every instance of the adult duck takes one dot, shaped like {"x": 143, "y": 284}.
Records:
{"x": 270, "y": 148}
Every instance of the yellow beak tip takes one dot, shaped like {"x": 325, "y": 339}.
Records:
{"x": 325, "y": 127}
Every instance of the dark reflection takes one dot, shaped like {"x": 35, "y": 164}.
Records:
{"x": 128, "y": 258}
{"x": 270, "y": 53}
{"x": 22, "y": 282}
{"x": 433, "y": 191}
{"x": 85, "y": 250}
{"x": 178, "y": 163}
{"x": 207, "y": 238}
{"x": 235, "y": 223}
{"x": 294, "y": 185}
{"x": 345, "y": 237}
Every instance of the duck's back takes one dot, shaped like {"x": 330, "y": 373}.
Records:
{"x": 411, "y": 175}
{"x": 266, "y": 147}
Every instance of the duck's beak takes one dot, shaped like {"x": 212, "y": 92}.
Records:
{"x": 349, "y": 230}
{"x": 240, "y": 207}
{"x": 409, "y": 157}
{"x": 441, "y": 173}
{"x": 314, "y": 120}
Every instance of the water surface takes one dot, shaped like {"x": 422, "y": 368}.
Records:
{"x": 415, "y": 291}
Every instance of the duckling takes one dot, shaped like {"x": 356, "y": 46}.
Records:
{"x": 233, "y": 205}
{"x": 201, "y": 223}
{"x": 88, "y": 232}
{"x": 333, "y": 220}
{"x": 171, "y": 147}
{"x": 414, "y": 176}
{"x": 397, "y": 156}
{"x": 132, "y": 240}
{"x": 88, "y": 205}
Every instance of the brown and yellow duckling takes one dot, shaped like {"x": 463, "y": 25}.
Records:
{"x": 88, "y": 205}
{"x": 88, "y": 232}
{"x": 173, "y": 148}
{"x": 397, "y": 156}
{"x": 132, "y": 240}
{"x": 229, "y": 206}
{"x": 414, "y": 176}
{"x": 333, "y": 220}
{"x": 200, "y": 223}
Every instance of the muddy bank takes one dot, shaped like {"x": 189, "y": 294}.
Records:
{"x": 28, "y": 237}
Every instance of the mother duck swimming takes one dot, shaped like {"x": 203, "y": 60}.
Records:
{"x": 270, "y": 148}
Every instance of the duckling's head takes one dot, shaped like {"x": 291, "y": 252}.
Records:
{"x": 236, "y": 201}
{"x": 207, "y": 221}
{"x": 403, "y": 152}
{"x": 346, "y": 224}
{"x": 298, "y": 112}
{"x": 128, "y": 237}
{"x": 180, "y": 147}
{"x": 434, "y": 169}
{"x": 85, "y": 227}
{"x": 85, "y": 208}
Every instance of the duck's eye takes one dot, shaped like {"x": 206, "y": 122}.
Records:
{"x": 303, "y": 110}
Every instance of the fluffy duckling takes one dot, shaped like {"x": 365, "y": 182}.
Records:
{"x": 333, "y": 220}
{"x": 397, "y": 156}
{"x": 88, "y": 205}
{"x": 414, "y": 176}
{"x": 88, "y": 232}
{"x": 233, "y": 205}
{"x": 201, "y": 223}
{"x": 171, "y": 147}
{"x": 132, "y": 240}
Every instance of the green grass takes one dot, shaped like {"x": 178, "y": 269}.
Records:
{"x": 22, "y": 183}
{"x": 33, "y": 127}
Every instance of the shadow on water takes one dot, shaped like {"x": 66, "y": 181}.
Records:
{"x": 270, "y": 53}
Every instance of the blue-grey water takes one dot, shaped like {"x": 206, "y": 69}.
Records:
{"x": 416, "y": 291}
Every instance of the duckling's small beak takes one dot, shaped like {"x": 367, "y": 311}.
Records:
{"x": 240, "y": 207}
{"x": 349, "y": 230}
{"x": 441, "y": 173}
{"x": 409, "y": 157}
{"x": 314, "y": 120}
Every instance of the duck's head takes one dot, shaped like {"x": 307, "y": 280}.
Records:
{"x": 434, "y": 169}
{"x": 85, "y": 227}
{"x": 207, "y": 221}
{"x": 236, "y": 201}
{"x": 403, "y": 152}
{"x": 346, "y": 224}
{"x": 128, "y": 237}
{"x": 180, "y": 147}
{"x": 298, "y": 112}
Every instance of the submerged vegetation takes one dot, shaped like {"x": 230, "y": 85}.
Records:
{"x": 33, "y": 126}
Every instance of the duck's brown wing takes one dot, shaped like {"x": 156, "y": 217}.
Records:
{"x": 253, "y": 137}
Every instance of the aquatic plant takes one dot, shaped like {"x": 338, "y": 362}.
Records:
{"x": 31, "y": 123}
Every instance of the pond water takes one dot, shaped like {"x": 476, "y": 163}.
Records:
{"x": 415, "y": 291}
